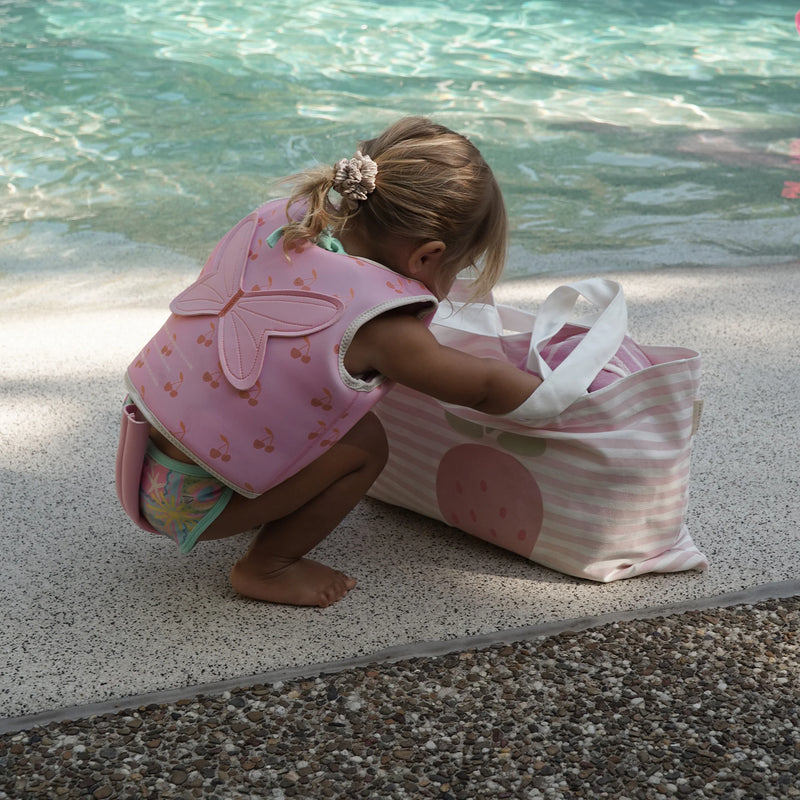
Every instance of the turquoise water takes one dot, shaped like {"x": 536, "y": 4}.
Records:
{"x": 635, "y": 133}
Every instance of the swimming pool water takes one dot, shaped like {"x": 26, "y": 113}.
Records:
{"x": 635, "y": 133}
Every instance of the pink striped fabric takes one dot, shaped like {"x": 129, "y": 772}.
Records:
{"x": 599, "y": 492}
{"x": 628, "y": 359}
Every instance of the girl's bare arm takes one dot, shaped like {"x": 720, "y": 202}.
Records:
{"x": 402, "y": 348}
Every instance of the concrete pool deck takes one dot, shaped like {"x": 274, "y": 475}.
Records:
{"x": 98, "y": 613}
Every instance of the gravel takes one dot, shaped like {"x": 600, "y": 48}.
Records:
{"x": 704, "y": 704}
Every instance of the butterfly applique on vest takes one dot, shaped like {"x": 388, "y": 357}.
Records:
{"x": 247, "y": 318}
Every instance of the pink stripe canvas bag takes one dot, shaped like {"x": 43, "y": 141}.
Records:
{"x": 590, "y": 476}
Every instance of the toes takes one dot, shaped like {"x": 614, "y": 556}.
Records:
{"x": 348, "y": 582}
{"x": 341, "y": 585}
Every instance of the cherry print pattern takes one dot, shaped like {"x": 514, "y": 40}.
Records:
{"x": 281, "y": 411}
{"x": 266, "y": 443}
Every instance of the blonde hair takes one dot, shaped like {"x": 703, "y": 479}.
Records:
{"x": 432, "y": 184}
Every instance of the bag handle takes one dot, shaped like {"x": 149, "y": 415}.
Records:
{"x": 571, "y": 379}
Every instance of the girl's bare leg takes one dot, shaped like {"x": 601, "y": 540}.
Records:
{"x": 297, "y": 515}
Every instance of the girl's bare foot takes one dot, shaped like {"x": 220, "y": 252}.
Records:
{"x": 300, "y": 582}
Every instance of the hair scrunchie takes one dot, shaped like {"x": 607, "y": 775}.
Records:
{"x": 354, "y": 178}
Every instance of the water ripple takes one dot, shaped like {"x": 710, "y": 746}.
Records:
{"x": 125, "y": 115}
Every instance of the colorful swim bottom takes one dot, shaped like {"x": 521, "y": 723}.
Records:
{"x": 179, "y": 500}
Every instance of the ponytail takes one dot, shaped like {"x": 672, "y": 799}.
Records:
{"x": 428, "y": 184}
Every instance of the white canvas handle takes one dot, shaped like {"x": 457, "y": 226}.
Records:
{"x": 571, "y": 379}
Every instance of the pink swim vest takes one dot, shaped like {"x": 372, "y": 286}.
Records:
{"x": 247, "y": 375}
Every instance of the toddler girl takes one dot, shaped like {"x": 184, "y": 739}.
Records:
{"x": 251, "y": 406}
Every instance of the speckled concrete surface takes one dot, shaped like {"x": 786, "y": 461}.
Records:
{"x": 95, "y": 609}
